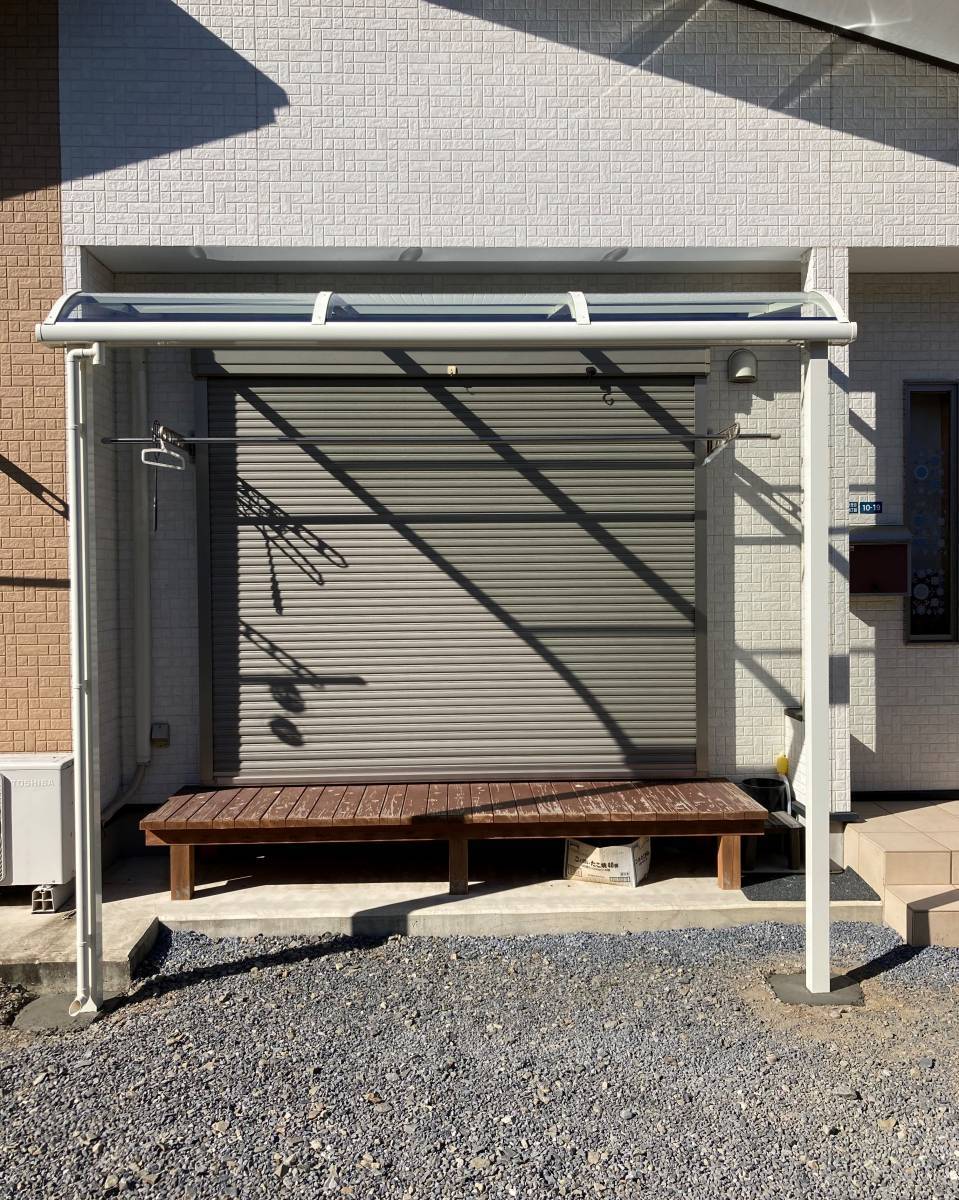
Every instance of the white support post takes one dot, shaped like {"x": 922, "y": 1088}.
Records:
{"x": 817, "y": 741}
{"x": 89, "y": 884}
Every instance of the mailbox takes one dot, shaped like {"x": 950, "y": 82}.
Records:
{"x": 879, "y": 560}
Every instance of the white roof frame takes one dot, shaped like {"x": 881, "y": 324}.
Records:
{"x": 662, "y": 323}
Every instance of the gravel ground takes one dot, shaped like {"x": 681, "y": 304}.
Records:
{"x": 654, "y": 1065}
{"x": 12, "y": 999}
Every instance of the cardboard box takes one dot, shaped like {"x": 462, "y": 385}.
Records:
{"x": 624, "y": 864}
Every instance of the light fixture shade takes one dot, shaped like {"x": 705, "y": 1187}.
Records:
{"x": 742, "y": 367}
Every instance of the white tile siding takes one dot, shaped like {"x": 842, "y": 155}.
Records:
{"x": 500, "y": 123}
{"x": 904, "y": 703}
{"x": 397, "y": 122}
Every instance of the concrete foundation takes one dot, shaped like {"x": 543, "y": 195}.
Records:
{"x": 372, "y": 890}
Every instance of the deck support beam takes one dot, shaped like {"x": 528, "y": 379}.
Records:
{"x": 729, "y": 862}
{"x": 459, "y": 866}
{"x": 182, "y": 872}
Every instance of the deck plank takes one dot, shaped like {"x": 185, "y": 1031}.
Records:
{"x": 526, "y": 810}
{"x": 547, "y": 805}
{"x": 414, "y": 802}
{"x": 176, "y": 802}
{"x": 371, "y": 805}
{"x": 671, "y": 803}
{"x": 280, "y": 809}
{"x": 325, "y": 804}
{"x": 232, "y": 809}
{"x": 481, "y": 810}
{"x": 252, "y": 815}
{"x": 301, "y": 810}
{"x": 570, "y": 800}
{"x": 183, "y": 817}
{"x": 437, "y": 801}
{"x": 346, "y": 809}
{"x": 393, "y": 804}
{"x": 590, "y": 794}
{"x": 504, "y": 806}
{"x": 459, "y": 804}
{"x": 219, "y": 799}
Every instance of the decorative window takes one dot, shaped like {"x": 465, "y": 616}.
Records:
{"x": 931, "y": 510}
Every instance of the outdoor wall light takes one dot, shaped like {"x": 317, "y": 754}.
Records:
{"x": 412, "y": 254}
{"x": 742, "y": 367}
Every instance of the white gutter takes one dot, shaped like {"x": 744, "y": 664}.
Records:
{"x": 89, "y": 882}
{"x": 420, "y": 335}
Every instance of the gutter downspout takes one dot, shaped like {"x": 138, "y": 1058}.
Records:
{"x": 142, "y": 628}
{"x": 89, "y": 881}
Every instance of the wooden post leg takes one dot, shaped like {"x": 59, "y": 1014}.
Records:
{"x": 459, "y": 866}
{"x": 795, "y": 849}
{"x": 729, "y": 864}
{"x": 182, "y": 872}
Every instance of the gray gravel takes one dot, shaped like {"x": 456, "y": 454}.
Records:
{"x": 12, "y": 998}
{"x": 653, "y": 1065}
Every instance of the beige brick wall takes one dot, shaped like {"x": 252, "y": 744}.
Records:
{"x": 34, "y": 645}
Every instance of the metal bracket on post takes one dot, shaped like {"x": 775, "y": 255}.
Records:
{"x": 169, "y": 450}
{"x": 718, "y": 442}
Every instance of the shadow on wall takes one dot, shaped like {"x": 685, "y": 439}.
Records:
{"x": 747, "y": 55}
{"x": 159, "y": 82}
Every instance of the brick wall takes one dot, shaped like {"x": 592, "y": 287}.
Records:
{"x": 34, "y": 646}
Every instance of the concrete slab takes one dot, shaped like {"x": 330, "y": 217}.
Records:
{"x": 51, "y": 1011}
{"x": 375, "y": 890}
{"x": 514, "y": 890}
{"x": 843, "y": 991}
{"x": 39, "y": 950}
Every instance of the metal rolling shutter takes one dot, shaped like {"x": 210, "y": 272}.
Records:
{"x": 451, "y": 611}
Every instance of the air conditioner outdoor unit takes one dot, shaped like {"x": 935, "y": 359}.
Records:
{"x": 36, "y": 826}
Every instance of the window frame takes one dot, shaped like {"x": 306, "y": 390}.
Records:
{"x": 951, "y": 388}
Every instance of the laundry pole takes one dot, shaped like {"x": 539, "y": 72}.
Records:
{"x": 89, "y": 883}
{"x": 816, "y": 610}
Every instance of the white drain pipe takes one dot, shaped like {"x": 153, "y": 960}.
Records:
{"x": 89, "y": 886}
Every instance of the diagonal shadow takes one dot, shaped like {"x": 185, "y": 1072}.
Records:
{"x": 284, "y": 536}
{"x": 839, "y": 83}
{"x": 33, "y": 485}
{"x": 144, "y": 80}
{"x": 424, "y": 547}
{"x": 586, "y": 521}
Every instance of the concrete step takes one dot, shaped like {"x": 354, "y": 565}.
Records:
{"x": 923, "y": 915}
{"x": 908, "y": 852}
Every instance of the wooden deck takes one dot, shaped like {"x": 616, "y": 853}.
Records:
{"x": 453, "y": 812}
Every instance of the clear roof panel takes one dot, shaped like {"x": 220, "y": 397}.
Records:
{"x": 191, "y": 306}
{"x": 259, "y": 307}
{"x": 710, "y": 306}
{"x": 553, "y": 306}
